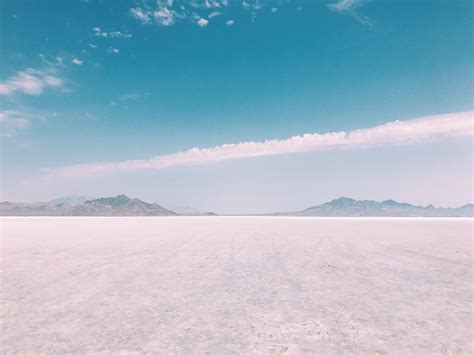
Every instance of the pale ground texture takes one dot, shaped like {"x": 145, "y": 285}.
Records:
{"x": 236, "y": 285}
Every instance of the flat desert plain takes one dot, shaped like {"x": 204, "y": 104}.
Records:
{"x": 236, "y": 285}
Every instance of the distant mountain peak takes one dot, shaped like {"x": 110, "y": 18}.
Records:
{"x": 119, "y": 200}
{"x": 71, "y": 200}
{"x": 346, "y": 206}
{"x": 120, "y": 205}
{"x": 390, "y": 202}
{"x": 343, "y": 199}
{"x": 190, "y": 211}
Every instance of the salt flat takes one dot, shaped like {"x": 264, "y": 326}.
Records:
{"x": 236, "y": 284}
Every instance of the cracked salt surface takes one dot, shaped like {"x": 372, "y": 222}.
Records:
{"x": 236, "y": 284}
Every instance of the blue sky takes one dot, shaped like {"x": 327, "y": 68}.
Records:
{"x": 99, "y": 82}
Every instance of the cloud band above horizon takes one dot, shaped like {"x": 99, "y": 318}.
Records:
{"x": 391, "y": 133}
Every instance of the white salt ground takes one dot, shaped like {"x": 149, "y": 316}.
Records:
{"x": 236, "y": 285}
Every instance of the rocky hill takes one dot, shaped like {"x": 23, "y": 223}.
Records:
{"x": 348, "y": 207}
{"x": 120, "y": 205}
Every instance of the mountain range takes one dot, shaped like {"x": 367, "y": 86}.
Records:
{"x": 122, "y": 205}
{"x": 348, "y": 207}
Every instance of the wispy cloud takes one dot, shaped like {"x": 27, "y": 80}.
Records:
{"x": 165, "y": 16}
{"x": 118, "y": 34}
{"x": 133, "y": 96}
{"x": 391, "y": 133}
{"x": 201, "y": 12}
{"x": 350, "y": 7}
{"x": 113, "y": 50}
{"x": 30, "y": 82}
{"x": 140, "y": 14}
{"x": 214, "y": 14}
{"x": 164, "y": 13}
{"x": 12, "y": 121}
{"x": 122, "y": 99}
{"x": 230, "y": 22}
{"x": 171, "y": 12}
{"x": 202, "y": 22}
{"x": 77, "y": 61}
{"x": 98, "y": 32}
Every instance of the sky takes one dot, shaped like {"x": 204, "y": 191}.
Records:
{"x": 237, "y": 106}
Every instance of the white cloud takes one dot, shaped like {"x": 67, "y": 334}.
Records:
{"x": 230, "y": 22}
{"x": 350, "y": 7}
{"x": 12, "y": 121}
{"x": 345, "y": 5}
{"x": 53, "y": 81}
{"x": 92, "y": 45}
{"x": 112, "y": 50}
{"x": 164, "y": 16}
{"x": 169, "y": 13}
{"x": 98, "y": 32}
{"x": 77, "y": 61}
{"x": 202, "y": 22}
{"x": 214, "y": 14}
{"x": 392, "y": 133}
{"x": 140, "y": 14}
{"x": 115, "y": 34}
{"x": 124, "y": 99}
{"x": 30, "y": 82}
{"x": 212, "y": 4}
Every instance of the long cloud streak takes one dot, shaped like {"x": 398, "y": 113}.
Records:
{"x": 391, "y": 133}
